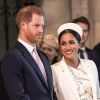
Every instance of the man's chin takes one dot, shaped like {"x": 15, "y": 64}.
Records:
{"x": 82, "y": 42}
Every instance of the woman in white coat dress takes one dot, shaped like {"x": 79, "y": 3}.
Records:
{"x": 74, "y": 78}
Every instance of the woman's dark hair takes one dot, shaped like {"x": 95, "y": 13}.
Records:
{"x": 74, "y": 33}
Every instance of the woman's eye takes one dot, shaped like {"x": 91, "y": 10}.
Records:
{"x": 71, "y": 42}
{"x": 43, "y": 48}
{"x": 63, "y": 43}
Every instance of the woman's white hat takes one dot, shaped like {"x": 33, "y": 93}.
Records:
{"x": 72, "y": 26}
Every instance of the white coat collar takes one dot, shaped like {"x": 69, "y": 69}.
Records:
{"x": 87, "y": 66}
{"x": 69, "y": 78}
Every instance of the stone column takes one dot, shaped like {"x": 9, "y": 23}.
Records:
{"x": 96, "y": 21}
{"x": 56, "y": 13}
{"x": 79, "y": 8}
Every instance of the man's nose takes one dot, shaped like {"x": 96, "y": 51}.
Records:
{"x": 41, "y": 29}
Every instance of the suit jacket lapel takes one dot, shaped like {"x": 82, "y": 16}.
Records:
{"x": 30, "y": 59}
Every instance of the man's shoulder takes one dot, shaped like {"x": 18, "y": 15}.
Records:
{"x": 88, "y": 49}
{"x": 97, "y": 47}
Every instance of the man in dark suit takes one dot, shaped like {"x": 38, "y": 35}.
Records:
{"x": 24, "y": 77}
{"x": 3, "y": 93}
{"x": 87, "y": 52}
{"x": 97, "y": 49}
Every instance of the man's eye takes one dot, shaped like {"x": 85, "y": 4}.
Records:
{"x": 43, "y": 48}
{"x": 37, "y": 25}
{"x": 49, "y": 49}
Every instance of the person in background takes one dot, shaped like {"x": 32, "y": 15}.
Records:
{"x": 74, "y": 78}
{"x": 85, "y": 52}
{"x": 97, "y": 49}
{"x": 51, "y": 48}
{"x": 25, "y": 69}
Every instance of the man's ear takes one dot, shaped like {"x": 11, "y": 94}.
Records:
{"x": 23, "y": 25}
{"x": 79, "y": 45}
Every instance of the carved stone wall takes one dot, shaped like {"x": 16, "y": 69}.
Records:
{"x": 60, "y": 11}
{"x": 96, "y": 20}
{"x": 56, "y": 12}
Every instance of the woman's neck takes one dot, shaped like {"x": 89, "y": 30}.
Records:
{"x": 72, "y": 62}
